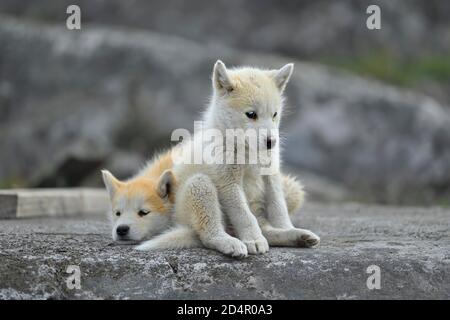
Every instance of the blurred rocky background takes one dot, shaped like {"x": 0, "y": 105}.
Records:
{"x": 368, "y": 114}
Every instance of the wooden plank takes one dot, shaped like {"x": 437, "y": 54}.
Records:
{"x": 26, "y": 203}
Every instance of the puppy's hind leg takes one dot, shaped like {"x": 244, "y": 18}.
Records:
{"x": 292, "y": 237}
{"x": 284, "y": 195}
{"x": 199, "y": 198}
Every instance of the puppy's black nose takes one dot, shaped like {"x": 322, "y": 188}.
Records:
{"x": 271, "y": 143}
{"x": 122, "y": 230}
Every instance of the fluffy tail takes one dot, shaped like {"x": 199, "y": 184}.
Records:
{"x": 293, "y": 193}
{"x": 179, "y": 237}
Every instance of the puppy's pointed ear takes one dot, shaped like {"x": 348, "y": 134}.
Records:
{"x": 221, "y": 80}
{"x": 166, "y": 184}
{"x": 282, "y": 76}
{"x": 112, "y": 184}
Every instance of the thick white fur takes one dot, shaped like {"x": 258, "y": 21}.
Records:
{"x": 183, "y": 237}
{"x": 179, "y": 237}
{"x": 254, "y": 205}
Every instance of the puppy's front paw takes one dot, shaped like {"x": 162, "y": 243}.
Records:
{"x": 234, "y": 247}
{"x": 257, "y": 246}
{"x": 306, "y": 238}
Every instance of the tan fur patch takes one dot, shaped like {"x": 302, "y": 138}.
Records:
{"x": 145, "y": 185}
{"x": 160, "y": 163}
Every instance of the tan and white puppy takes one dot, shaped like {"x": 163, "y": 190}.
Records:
{"x": 141, "y": 207}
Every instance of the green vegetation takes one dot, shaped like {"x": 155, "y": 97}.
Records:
{"x": 395, "y": 70}
{"x": 12, "y": 183}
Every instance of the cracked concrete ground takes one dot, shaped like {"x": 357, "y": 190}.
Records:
{"x": 410, "y": 245}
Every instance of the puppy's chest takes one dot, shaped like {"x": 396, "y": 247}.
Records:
{"x": 253, "y": 186}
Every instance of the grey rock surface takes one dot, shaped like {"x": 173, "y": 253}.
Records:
{"x": 73, "y": 102}
{"x": 308, "y": 28}
{"x": 316, "y": 30}
{"x": 410, "y": 245}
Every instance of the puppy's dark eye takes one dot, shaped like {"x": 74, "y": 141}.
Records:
{"x": 118, "y": 213}
{"x": 252, "y": 115}
{"x": 275, "y": 114}
{"x": 142, "y": 213}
